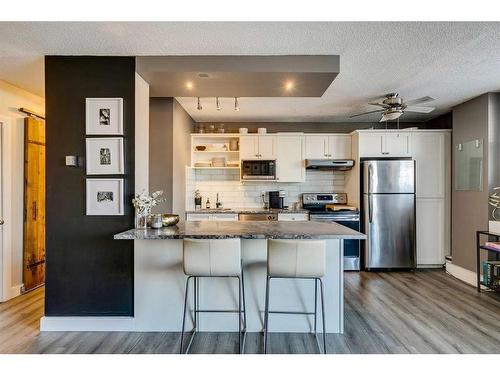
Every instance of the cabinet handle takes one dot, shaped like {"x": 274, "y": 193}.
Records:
{"x": 385, "y": 153}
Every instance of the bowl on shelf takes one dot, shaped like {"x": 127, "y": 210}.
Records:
{"x": 169, "y": 220}
{"x": 203, "y": 164}
{"x": 201, "y": 148}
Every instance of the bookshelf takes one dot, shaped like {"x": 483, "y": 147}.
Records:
{"x": 482, "y": 248}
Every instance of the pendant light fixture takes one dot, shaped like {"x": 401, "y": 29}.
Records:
{"x": 236, "y": 104}
{"x": 218, "y": 103}
{"x": 199, "y": 107}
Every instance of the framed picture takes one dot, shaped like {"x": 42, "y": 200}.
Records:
{"x": 105, "y": 196}
{"x": 104, "y": 155}
{"x": 104, "y": 116}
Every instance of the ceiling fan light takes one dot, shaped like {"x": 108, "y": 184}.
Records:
{"x": 391, "y": 115}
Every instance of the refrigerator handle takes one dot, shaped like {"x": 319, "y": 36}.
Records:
{"x": 370, "y": 208}
{"x": 370, "y": 172}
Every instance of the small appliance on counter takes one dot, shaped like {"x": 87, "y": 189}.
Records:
{"x": 277, "y": 199}
{"x": 332, "y": 207}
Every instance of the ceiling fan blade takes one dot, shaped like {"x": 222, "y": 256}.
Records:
{"x": 419, "y": 109}
{"x": 380, "y": 105}
{"x": 421, "y": 100}
{"x": 366, "y": 113}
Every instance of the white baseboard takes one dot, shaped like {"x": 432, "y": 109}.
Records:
{"x": 461, "y": 273}
{"x": 84, "y": 323}
{"x": 13, "y": 292}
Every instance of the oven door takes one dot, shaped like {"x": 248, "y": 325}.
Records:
{"x": 352, "y": 248}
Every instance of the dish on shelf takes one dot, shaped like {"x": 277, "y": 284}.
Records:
{"x": 203, "y": 164}
{"x": 217, "y": 147}
{"x": 201, "y": 148}
{"x": 233, "y": 164}
{"x": 219, "y": 161}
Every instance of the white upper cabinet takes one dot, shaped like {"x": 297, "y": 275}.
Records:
{"x": 267, "y": 147}
{"x": 396, "y": 144}
{"x": 336, "y": 146}
{"x": 429, "y": 152}
{"x": 388, "y": 144}
{"x": 248, "y": 147}
{"x": 370, "y": 144}
{"x": 316, "y": 147}
{"x": 339, "y": 146}
{"x": 257, "y": 147}
{"x": 290, "y": 159}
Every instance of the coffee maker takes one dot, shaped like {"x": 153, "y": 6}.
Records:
{"x": 277, "y": 199}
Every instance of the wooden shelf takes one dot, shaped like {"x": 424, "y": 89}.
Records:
{"x": 216, "y": 135}
{"x": 216, "y": 152}
{"x": 215, "y": 167}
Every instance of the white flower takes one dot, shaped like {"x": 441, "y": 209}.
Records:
{"x": 144, "y": 202}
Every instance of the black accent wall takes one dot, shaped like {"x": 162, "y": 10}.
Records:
{"x": 88, "y": 273}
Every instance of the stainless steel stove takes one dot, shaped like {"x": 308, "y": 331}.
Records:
{"x": 332, "y": 207}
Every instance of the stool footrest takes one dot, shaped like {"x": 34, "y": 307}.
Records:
{"x": 219, "y": 311}
{"x": 291, "y": 312}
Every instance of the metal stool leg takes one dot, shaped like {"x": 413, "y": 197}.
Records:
{"x": 195, "y": 304}
{"x": 315, "y": 304}
{"x": 266, "y": 314}
{"x": 244, "y": 313}
{"x": 323, "y": 315}
{"x": 184, "y": 314}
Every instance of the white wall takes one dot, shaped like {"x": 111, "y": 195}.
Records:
{"x": 182, "y": 129}
{"x": 141, "y": 134}
{"x": 11, "y": 99}
{"x": 236, "y": 194}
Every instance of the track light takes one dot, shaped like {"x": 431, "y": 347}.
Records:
{"x": 199, "y": 105}
{"x": 217, "y": 103}
{"x": 236, "y": 104}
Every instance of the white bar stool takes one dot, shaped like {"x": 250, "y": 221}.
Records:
{"x": 296, "y": 259}
{"x": 213, "y": 258}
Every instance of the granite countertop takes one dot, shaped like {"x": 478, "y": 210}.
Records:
{"x": 247, "y": 211}
{"x": 244, "y": 230}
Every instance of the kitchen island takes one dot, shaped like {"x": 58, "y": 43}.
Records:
{"x": 159, "y": 280}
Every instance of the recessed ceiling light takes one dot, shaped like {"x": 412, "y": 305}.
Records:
{"x": 189, "y": 85}
{"x": 289, "y": 85}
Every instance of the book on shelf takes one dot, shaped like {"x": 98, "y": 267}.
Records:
{"x": 493, "y": 245}
{"x": 491, "y": 274}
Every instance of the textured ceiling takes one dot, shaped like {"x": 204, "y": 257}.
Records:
{"x": 451, "y": 62}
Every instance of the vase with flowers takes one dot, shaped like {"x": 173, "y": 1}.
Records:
{"x": 143, "y": 203}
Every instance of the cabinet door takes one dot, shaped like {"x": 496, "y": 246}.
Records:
{"x": 316, "y": 147}
{"x": 396, "y": 144}
{"x": 248, "y": 147}
{"x": 430, "y": 232}
{"x": 267, "y": 147}
{"x": 224, "y": 217}
{"x": 293, "y": 217}
{"x": 428, "y": 150}
{"x": 370, "y": 144}
{"x": 198, "y": 217}
{"x": 339, "y": 146}
{"x": 290, "y": 161}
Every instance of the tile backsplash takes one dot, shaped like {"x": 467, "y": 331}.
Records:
{"x": 236, "y": 194}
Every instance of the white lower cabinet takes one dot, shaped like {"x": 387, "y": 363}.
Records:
{"x": 293, "y": 216}
{"x": 431, "y": 232}
{"x": 212, "y": 217}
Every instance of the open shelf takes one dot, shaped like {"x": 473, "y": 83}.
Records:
{"x": 216, "y": 152}
{"x": 490, "y": 249}
{"x": 215, "y": 167}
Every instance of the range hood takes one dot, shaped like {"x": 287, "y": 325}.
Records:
{"x": 337, "y": 164}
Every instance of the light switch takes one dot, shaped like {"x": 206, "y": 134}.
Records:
{"x": 71, "y": 161}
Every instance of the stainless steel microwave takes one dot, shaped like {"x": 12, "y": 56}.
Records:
{"x": 258, "y": 169}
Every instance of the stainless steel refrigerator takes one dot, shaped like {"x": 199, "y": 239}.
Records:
{"x": 389, "y": 213}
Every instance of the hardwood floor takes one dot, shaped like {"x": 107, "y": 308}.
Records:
{"x": 422, "y": 312}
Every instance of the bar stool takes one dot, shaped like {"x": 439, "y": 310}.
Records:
{"x": 296, "y": 259}
{"x": 213, "y": 258}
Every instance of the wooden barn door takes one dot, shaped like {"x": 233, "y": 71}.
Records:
{"x": 34, "y": 203}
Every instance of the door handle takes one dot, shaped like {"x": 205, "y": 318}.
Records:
{"x": 370, "y": 208}
{"x": 2, "y": 222}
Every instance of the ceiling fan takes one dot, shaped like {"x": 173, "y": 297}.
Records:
{"x": 393, "y": 107}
